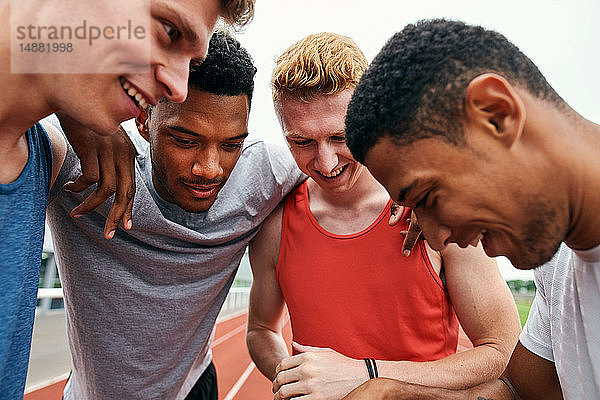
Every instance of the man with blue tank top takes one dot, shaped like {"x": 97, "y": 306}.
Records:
{"x": 32, "y": 153}
{"x": 22, "y": 213}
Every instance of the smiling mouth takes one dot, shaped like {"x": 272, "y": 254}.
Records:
{"x": 140, "y": 101}
{"x": 333, "y": 173}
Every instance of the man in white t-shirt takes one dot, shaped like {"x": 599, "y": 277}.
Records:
{"x": 494, "y": 155}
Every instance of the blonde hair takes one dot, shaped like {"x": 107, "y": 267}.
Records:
{"x": 237, "y": 12}
{"x": 320, "y": 64}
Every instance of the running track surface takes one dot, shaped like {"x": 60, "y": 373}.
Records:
{"x": 238, "y": 378}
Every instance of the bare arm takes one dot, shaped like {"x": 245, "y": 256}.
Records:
{"x": 486, "y": 310}
{"x": 266, "y": 311}
{"x": 529, "y": 376}
{"x": 108, "y": 162}
{"x": 488, "y": 315}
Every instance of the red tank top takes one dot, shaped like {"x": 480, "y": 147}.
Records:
{"x": 357, "y": 294}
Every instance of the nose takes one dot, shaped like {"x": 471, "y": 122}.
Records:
{"x": 207, "y": 165}
{"x": 327, "y": 158}
{"x": 174, "y": 78}
{"x": 436, "y": 234}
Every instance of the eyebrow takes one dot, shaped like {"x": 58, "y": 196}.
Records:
{"x": 192, "y": 133}
{"x": 404, "y": 192}
{"x": 185, "y": 24}
{"x": 298, "y": 135}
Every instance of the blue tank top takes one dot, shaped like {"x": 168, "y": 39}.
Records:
{"x": 22, "y": 214}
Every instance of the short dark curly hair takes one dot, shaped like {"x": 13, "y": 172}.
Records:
{"x": 415, "y": 86}
{"x": 228, "y": 69}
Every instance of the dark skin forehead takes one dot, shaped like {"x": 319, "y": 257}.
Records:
{"x": 205, "y": 114}
{"x": 392, "y": 166}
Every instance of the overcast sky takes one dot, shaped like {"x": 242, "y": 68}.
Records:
{"x": 560, "y": 36}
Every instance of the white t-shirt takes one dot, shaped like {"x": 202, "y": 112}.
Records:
{"x": 564, "y": 321}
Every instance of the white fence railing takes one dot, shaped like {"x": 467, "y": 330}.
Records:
{"x": 236, "y": 300}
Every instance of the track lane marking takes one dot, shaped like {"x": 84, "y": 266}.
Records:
{"x": 228, "y": 335}
{"x": 240, "y": 382}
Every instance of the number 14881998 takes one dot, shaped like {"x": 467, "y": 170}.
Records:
{"x": 41, "y": 47}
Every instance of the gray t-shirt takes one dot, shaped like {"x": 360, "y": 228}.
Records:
{"x": 141, "y": 307}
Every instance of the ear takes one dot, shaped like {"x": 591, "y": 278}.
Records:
{"x": 493, "y": 103}
{"x": 142, "y": 122}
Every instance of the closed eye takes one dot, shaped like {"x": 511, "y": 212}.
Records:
{"x": 182, "y": 141}
{"x": 300, "y": 142}
{"x": 423, "y": 202}
{"x": 170, "y": 30}
{"x": 233, "y": 145}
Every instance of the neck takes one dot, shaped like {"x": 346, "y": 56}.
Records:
{"x": 366, "y": 189}
{"x": 350, "y": 211}
{"x": 564, "y": 147}
{"x": 584, "y": 188}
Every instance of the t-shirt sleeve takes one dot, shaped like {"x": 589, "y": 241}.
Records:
{"x": 284, "y": 168}
{"x": 536, "y": 335}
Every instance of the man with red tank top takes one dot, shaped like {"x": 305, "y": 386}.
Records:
{"x": 328, "y": 253}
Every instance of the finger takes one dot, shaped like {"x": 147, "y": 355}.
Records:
{"x": 412, "y": 236}
{"x": 127, "y": 219}
{"x": 90, "y": 174}
{"x": 127, "y": 216}
{"x": 300, "y": 348}
{"x": 395, "y": 214}
{"x": 107, "y": 186}
{"x": 291, "y": 390}
{"x": 291, "y": 362}
{"x": 120, "y": 210}
{"x": 286, "y": 377}
{"x": 277, "y": 369}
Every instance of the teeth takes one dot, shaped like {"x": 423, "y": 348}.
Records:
{"x": 333, "y": 173}
{"x": 133, "y": 93}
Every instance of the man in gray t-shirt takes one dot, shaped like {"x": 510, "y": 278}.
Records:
{"x": 141, "y": 308}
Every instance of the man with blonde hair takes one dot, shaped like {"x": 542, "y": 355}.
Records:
{"x": 358, "y": 308}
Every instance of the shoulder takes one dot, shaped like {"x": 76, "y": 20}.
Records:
{"x": 272, "y": 157}
{"x": 555, "y": 272}
{"x": 470, "y": 272}
{"x": 265, "y": 245}
{"x": 58, "y": 144}
{"x": 455, "y": 257}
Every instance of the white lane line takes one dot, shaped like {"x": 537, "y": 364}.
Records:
{"x": 228, "y": 335}
{"x": 232, "y": 316}
{"x": 47, "y": 382}
{"x": 240, "y": 382}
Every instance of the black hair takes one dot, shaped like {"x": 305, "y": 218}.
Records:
{"x": 228, "y": 69}
{"x": 415, "y": 86}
